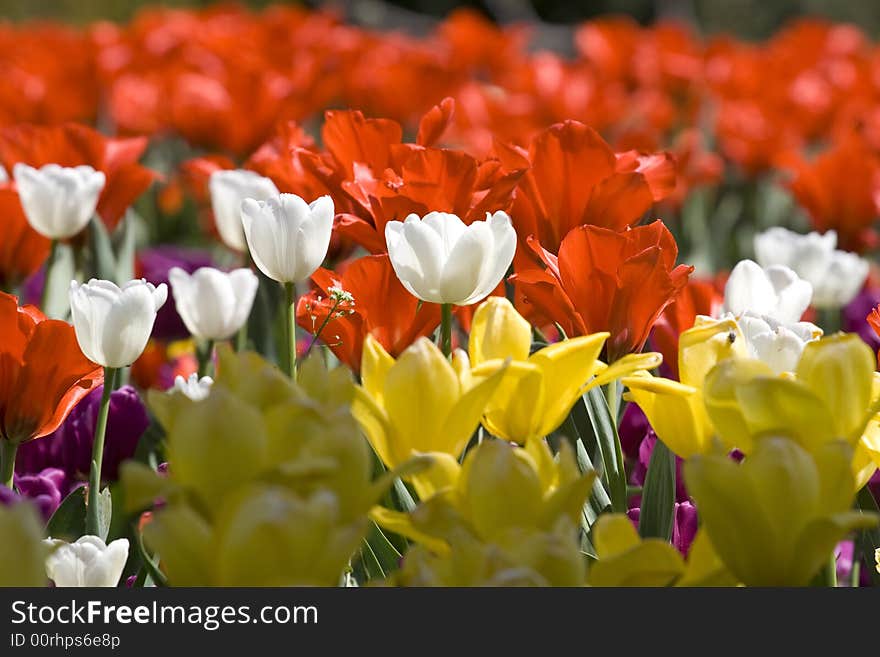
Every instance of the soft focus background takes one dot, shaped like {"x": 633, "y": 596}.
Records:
{"x": 745, "y": 18}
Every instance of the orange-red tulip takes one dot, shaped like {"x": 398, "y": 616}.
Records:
{"x": 43, "y": 373}
{"x": 381, "y": 307}
{"x": 604, "y": 280}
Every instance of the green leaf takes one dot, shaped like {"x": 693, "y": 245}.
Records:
{"x": 103, "y": 260}
{"x": 868, "y": 540}
{"x": 68, "y": 522}
{"x": 658, "y": 495}
{"x": 385, "y": 554}
{"x": 604, "y": 430}
{"x": 105, "y": 513}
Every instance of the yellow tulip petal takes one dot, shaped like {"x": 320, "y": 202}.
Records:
{"x": 377, "y": 428}
{"x": 453, "y": 434}
{"x": 421, "y": 390}
{"x": 840, "y": 370}
{"x": 706, "y": 344}
{"x": 776, "y": 406}
{"x": 629, "y": 365}
{"x": 722, "y": 405}
{"x": 441, "y": 475}
{"x": 375, "y": 364}
{"x": 675, "y": 411}
{"x": 614, "y": 533}
{"x": 500, "y": 488}
{"x": 498, "y": 331}
{"x": 566, "y": 366}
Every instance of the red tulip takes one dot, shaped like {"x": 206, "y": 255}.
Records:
{"x": 604, "y": 280}
{"x": 381, "y": 307}
{"x": 44, "y": 374}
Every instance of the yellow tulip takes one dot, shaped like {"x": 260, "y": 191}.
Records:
{"x": 419, "y": 403}
{"x": 624, "y": 559}
{"x": 506, "y": 516}
{"x": 775, "y": 518}
{"x": 538, "y": 390}
{"x": 675, "y": 409}
{"x": 269, "y": 482}
{"x": 829, "y": 397}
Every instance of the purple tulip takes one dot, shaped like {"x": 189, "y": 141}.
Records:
{"x": 853, "y": 318}
{"x": 153, "y": 264}
{"x": 69, "y": 448}
{"x": 44, "y": 488}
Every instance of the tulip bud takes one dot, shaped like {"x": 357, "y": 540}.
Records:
{"x": 228, "y": 189}
{"x": 113, "y": 324}
{"x": 498, "y": 331}
{"x": 441, "y": 260}
{"x": 58, "y": 201}
{"x": 213, "y": 304}
{"x": 287, "y": 237}
{"x": 87, "y": 562}
{"x": 193, "y": 387}
{"x": 776, "y": 292}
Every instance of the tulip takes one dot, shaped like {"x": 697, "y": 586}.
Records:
{"x": 58, "y": 201}
{"x": 45, "y": 375}
{"x": 830, "y": 396}
{"x": 776, "y": 292}
{"x": 538, "y": 390}
{"x": 213, "y": 304}
{"x": 288, "y": 239}
{"x": 193, "y": 387}
{"x": 112, "y": 327}
{"x": 228, "y": 188}
{"x": 836, "y": 276}
{"x": 113, "y": 324}
{"x": 87, "y": 562}
{"x": 419, "y": 403}
{"x": 765, "y": 535}
{"x": 441, "y": 260}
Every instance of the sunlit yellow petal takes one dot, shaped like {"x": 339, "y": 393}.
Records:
{"x": 707, "y": 343}
{"x": 375, "y": 363}
{"x": 839, "y": 369}
{"x": 675, "y": 411}
{"x": 498, "y": 331}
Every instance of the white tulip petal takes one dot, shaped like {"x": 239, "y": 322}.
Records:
{"x": 228, "y": 188}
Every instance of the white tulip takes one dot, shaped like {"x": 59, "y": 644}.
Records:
{"x": 58, "y": 201}
{"x": 87, "y": 562}
{"x": 775, "y": 292}
{"x": 193, "y": 387}
{"x": 113, "y": 324}
{"x": 836, "y": 276}
{"x": 228, "y": 189}
{"x": 287, "y": 237}
{"x": 213, "y": 304}
{"x": 778, "y": 345}
{"x": 441, "y": 260}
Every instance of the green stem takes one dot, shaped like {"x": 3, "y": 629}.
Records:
{"x": 829, "y": 320}
{"x": 446, "y": 329}
{"x": 241, "y": 338}
{"x": 92, "y": 520}
{"x": 290, "y": 315}
{"x": 7, "y": 462}
{"x": 204, "y": 351}
{"x": 53, "y": 252}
